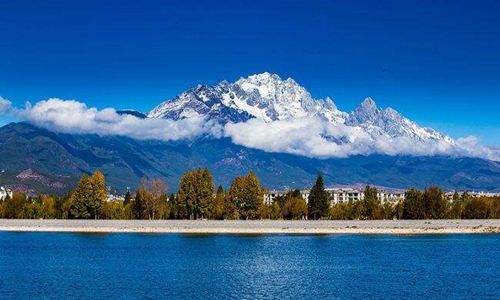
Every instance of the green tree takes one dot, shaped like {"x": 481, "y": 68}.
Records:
{"x": 387, "y": 211}
{"x": 127, "y": 198}
{"x": 478, "y": 208}
{"x": 435, "y": 204}
{"x": 295, "y": 208}
{"x": 139, "y": 206}
{"x": 413, "y": 205}
{"x": 338, "y": 212}
{"x": 128, "y": 211}
{"x": 319, "y": 202}
{"x": 82, "y": 199}
{"x": 63, "y": 206}
{"x": 48, "y": 208}
{"x": 113, "y": 210}
{"x": 399, "y": 210}
{"x": 246, "y": 196}
{"x": 465, "y": 196}
{"x": 205, "y": 194}
{"x": 371, "y": 204}
{"x": 174, "y": 207}
{"x": 455, "y": 210}
{"x": 13, "y": 208}
{"x": 195, "y": 194}
{"x": 252, "y": 197}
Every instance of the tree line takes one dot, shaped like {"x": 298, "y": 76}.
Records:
{"x": 197, "y": 198}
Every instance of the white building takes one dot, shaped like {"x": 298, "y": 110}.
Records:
{"x": 4, "y": 192}
{"x": 112, "y": 197}
{"x": 449, "y": 195}
{"x": 341, "y": 195}
{"x": 392, "y": 197}
{"x": 270, "y": 196}
{"x": 345, "y": 195}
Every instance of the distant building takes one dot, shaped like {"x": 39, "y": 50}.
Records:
{"x": 449, "y": 195}
{"x": 111, "y": 197}
{"x": 345, "y": 195}
{"x": 341, "y": 195}
{"x": 4, "y": 193}
{"x": 391, "y": 196}
{"x": 270, "y": 196}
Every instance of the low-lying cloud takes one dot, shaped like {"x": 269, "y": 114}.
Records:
{"x": 70, "y": 116}
{"x": 311, "y": 137}
{"x": 314, "y": 137}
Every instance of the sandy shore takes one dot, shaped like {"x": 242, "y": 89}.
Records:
{"x": 257, "y": 227}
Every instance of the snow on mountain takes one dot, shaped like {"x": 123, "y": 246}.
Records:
{"x": 264, "y": 96}
{"x": 389, "y": 122}
{"x": 269, "y": 98}
{"x": 201, "y": 101}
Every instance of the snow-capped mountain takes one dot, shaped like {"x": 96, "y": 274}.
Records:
{"x": 265, "y": 96}
{"x": 389, "y": 122}
{"x": 269, "y": 98}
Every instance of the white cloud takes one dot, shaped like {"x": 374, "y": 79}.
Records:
{"x": 69, "y": 116}
{"x": 311, "y": 137}
{"x": 5, "y": 105}
{"x": 471, "y": 146}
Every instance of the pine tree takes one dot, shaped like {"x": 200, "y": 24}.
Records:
{"x": 318, "y": 203}
{"x": 172, "y": 200}
{"x": 205, "y": 199}
{"x": 81, "y": 199}
{"x": 139, "y": 205}
{"x": 186, "y": 196}
{"x": 253, "y": 196}
{"x": 127, "y": 198}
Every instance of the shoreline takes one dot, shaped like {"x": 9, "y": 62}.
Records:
{"x": 398, "y": 227}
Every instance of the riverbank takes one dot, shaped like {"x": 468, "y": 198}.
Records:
{"x": 257, "y": 227}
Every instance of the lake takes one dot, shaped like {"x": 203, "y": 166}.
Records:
{"x": 174, "y": 266}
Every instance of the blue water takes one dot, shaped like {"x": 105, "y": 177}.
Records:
{"x": 142, "y": 266}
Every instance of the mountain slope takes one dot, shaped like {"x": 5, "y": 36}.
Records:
{"x": 124, "y": 161}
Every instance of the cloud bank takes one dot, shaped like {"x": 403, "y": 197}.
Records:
{"x": 316, "y": 138}
{"x": 311, "y": 137}
{"x": 70, "y": 116}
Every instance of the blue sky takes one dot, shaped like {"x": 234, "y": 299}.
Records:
{"x": 437, "y": 62}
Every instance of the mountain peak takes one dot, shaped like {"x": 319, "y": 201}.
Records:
{"x": 329, "y": 104}
{"x": 391, "y": 111}
{"x": 367, "y": 111}
{"x": 262, "y": 77}
{"x": 266, "y": 96}
{"x": 368, "y": 104}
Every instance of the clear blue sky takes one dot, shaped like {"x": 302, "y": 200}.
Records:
{"x": 437, "y": 62}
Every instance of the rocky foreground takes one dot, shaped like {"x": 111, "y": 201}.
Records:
{"x": 257, "y": 227}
